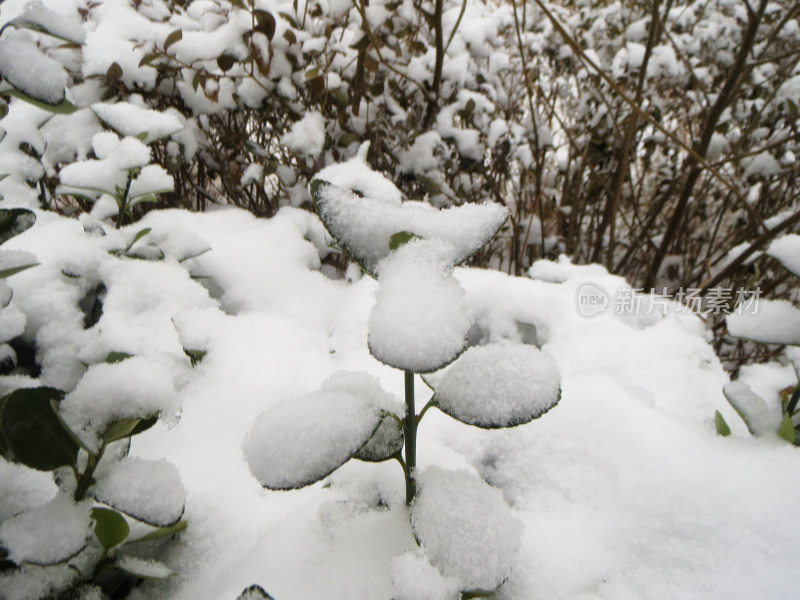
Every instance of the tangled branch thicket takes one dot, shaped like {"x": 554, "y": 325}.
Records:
{"x": 657, "y": 138}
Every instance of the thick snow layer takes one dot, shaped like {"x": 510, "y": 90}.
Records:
{"x": 770, "y": 322}
{"x": 364, "y": 226}
{"x": 499, "y": 385}
{"x": 299, "y": 441}
{"x": 752, "y": 408}
{"x": 65, "y": 26}
{"x": 29, "y": 70}
{"x": 466, "y": 528}
{"x": 48, "y": 534}
{"x": 131, "y": 120}
{"x": 307, "y": 136}
{"x": 137, "y": 387}
{"x": 787, "y": 250}
{"x": 357, "y": 176}
{"x": 420, "y": 319}
{"x": 624, "y": 490}
{"x": 148, "y": 490}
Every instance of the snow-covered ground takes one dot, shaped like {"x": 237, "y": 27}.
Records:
{"x": 624, "y": 489}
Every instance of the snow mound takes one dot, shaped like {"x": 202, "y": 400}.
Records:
{"x": 47, "y": 534}
{"x": 466, "y": 528}
{"x": 499, "y": 385}
{"x": 787, "y": 250}
{"x": 771, "y": 322}
{"x": 299, "y": 441}
{"x": 414, "y": 578}
{"x": 420, "y": 320}
{"x": 137, "y": 387}
{"x": 131, "y": 120}
{"x": 357, "y": 176}
{"x": 307, "y": 136}
{"x": 147, "y": 490}
{"x": 364, "y": 226}
{"x": 752, "y": 408}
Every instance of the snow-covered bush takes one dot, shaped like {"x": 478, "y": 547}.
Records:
{"x": 420, "y": 324}
{"x": 769, "y": 322}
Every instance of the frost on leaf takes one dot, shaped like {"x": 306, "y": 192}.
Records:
{"x": 47, "y": 534}
{"x": 787, "y": 250}
{"x": 759, "y": 418}
{"x": 498, "y": 385}
{"x": 466, "y": 528}
{"x": 364, "y": 225}
{"x": 148, "y": 490}
{"x": 771, "y": 322}
{"x": 299, "y": 441}
{"x": 420, "y": 320}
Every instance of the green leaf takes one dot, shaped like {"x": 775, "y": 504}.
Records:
{"x": 786, "y": 430}
{"x": 254, "y": 592}
{"x": 173, "y": 37}
{"x": 139, "y": 235}
{"x": 721, "y": 425}
{"x": 195, "y": 355}
{"x": 385, "y": 443}
{"x": 161, "y": 532}
{"x": 14, "y": 270}
{"x": 312, "y": 72}
{"x": 110, "y": 527}
{"x": 144, "y": 424}
{"x": 400, "y": 238}
{"x": 14, "y": 221}
{"x": 119, "y": 430}
{"x": 64, "y": 107}
{"x": 115, "y": 357}
{"x": 149, "y": 59}
{"x": 33, "y": 433}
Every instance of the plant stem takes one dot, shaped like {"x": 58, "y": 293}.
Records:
{"x": 410, "y": 434}
{"x": 86, "y": 478}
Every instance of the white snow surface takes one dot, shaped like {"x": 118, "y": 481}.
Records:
{"x": 414, "y": 578}
{"x": 357, "y": 176}
{"x": 420, "y": 319}
{"x": 29, "y": 70}
{"x": 770, "y": 322}
{"x": 499, "y": 385}
{"x": 148, "y": 490}
{"x": 466, "y": 528}
{"x": 364, "y": 226}
{"x": 47, "y": 534}
{"x": 760, "y": 419}
{"x": 307, "y": 136}
{"x": 299, "y": 441}
{"x": 624, "y": 490}
{"x": 787, "y": 250}
{"x": 131, "y": 120}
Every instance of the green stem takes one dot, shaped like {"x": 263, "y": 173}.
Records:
{"x": 792, "y": 406}
{"x": 431, "y": 403}
{"x": 123, "y": 204}
{"x": 86, "y": 478}
{"x": 410, "y": 434}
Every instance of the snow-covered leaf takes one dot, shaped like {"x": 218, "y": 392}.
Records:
{"x": 146, "y": 569}
{"x": 14, "y": 261}
{"x": 31, "y": 432}
{"x": 759, "y": 418}
{"x": 161, "y": 532}
{"x": 772, "y": 322}
{"x": 466, "y": 528}
{"x": 386, "y": 442}
{"x": 110, "y": 527}
{"x": 42, "y": 19}
{"x": 787, "y": 250}
{"x": 414, "y": 578}
{"x": 48, "y": 534}
{"x": 148, "y": 490}
{"x": 254, "y": 592}
{"x": 299, "y": 441}
{"x": 14, "y": 221}
{"x": 420, "y": 320}
{"x": 29, "y": 70}
{"x": 131, "y": 120}
{"x": 498, "y": 385}
{"x": 364, "y": 226}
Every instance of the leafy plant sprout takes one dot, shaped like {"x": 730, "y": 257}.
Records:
{"x": 419, "y": 325}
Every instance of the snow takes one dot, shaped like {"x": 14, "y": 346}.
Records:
{"x": 414, "y": 578}
{"x": 147, "y": 490}
{"x": 307, "y": 136}
{"x": 357, "y": 176}
{"x": 148, "y": 569}
{"x": 752, "y": 408}
{"x": 40, "y": 18}
{"x": 466, "y": 528}
{"x": 499, "y": 385}
{"x": 787, "y": 250}
{"x": 612, "y": 498}
{"x": 29, "y": 70}
{"x": 47, "y": 534}
{"x": 420, "y": 319}
{"x": 769, "y": 322}
{"x": 130, "y": 120}
{"x": 300, "y": 441}
{"x": 137, "y": 387}
{"x": 364, "y": 226}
